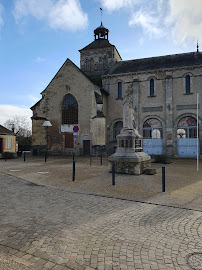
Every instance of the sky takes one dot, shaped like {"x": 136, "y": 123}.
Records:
{"x": 37, "y": 36}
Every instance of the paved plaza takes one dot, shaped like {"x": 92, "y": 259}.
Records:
{"x": 44, "y": 227}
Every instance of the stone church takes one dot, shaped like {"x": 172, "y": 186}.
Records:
{"x": 84, "y": 105}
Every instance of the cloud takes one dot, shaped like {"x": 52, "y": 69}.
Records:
{"x": 148, "y": 22}
{"x": 185, "y": 20}
{"x": 147, "y": 15}
{"x": 39, "y": 59}
{"x": 33, "y": 99}
{"x": 61, "y": 14}
{"x": 1, "y": 16}
{"x": 179, "y": 20}
{"x": 112, "y": 5}
{"x": 9, "y": 111}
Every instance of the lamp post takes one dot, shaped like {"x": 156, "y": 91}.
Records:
{"x": 46, "y": 124}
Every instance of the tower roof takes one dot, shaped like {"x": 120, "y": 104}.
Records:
{"x": 101, "y": 32}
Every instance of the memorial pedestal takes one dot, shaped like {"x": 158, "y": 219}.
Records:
{"x": 129, "y": 157}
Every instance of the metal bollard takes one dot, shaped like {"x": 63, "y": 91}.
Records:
{"x": 113, "y": 174}
{"x": 5, "y": 154}
{"x": 163, "y": 179}
{"x": 90, "y": 160}
{"x": 101, "y": 159}
{"x": 73, "y": 174}
{"x": 46, "y": 156}
{"x": 24, "y": 157}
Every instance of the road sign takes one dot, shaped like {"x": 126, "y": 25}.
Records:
{"x": 76, "y": 135}
{"x": 76, "y": 129}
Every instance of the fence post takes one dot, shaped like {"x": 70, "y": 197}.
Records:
{"x": 113, "y": 174}
{"x": 73, "y": 174}
{"x": 163, "y": 179}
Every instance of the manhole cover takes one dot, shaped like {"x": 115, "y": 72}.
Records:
{"x": 195, "y": 261}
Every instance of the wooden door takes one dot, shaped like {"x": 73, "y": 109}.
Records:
{"x": 69, "y": 140}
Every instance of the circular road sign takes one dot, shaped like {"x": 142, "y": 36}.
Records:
{"x": 76, "y": 129}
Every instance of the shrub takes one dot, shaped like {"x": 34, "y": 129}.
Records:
{"x": 8, "y": 155}
{"x": 161, "y": 159}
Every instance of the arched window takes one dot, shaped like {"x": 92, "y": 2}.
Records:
{"x": 152, "y": 129}
{"x": 119, "y": 89}
{"x": 187, "y": 128}
{"x": 151, "y": 88}
{"x": 117, "y": 129}
{"x": 187, "y": 78}
{"x": 69, "y": 110}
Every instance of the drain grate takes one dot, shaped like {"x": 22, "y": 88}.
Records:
{"x": 195, "y": 261}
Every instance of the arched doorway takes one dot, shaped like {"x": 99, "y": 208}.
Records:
{"x": 187, "y": 137}
{"x": 152, "y": 137}
{"x": 118, "y": 126}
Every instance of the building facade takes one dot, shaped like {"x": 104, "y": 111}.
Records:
{"x": 164, "y": 92}
{"x": 7, "y": 141}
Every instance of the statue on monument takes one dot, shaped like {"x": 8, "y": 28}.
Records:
{"x": 128, "y": 112}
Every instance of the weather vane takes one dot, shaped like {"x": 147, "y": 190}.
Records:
{"x": 101, "y": 13}
{"x": 197, "y": 47}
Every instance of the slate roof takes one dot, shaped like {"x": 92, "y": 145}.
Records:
{"x": 5, "y": 131}
{"x": 157, "y": 63}
{"x": 98, "y": 43}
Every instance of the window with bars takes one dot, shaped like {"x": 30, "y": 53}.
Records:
{"x": 69, "y": 110}
{"x": 151, "y": 88}
{"x": 187, "y": 84}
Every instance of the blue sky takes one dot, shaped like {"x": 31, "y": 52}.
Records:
{"x": 36, "y": 37}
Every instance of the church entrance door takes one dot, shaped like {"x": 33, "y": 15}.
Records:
{"x": 86, "y": 147}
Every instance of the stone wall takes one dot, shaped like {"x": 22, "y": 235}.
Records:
{"x": 97, "y": 61}
{"x": 169, "y": 104}
{"x": 68, "y": 80}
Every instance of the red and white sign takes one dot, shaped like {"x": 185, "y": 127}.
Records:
{"x": 76, "y": 129}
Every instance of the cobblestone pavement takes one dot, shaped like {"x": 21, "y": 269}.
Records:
{"x": 56, "y": 229}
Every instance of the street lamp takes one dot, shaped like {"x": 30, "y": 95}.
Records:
{"x": 47, "y": 124}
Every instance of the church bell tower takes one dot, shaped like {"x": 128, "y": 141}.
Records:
{"x": 97, "y": 57}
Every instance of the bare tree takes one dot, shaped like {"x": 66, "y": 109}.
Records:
{"x": 21, "y": 126}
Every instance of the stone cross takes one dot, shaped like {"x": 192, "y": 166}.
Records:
{"x": 128, "y": 114}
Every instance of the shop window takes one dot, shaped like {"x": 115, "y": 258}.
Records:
{"x": 152, "y": 129}
{"x": 187, "y": 128}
